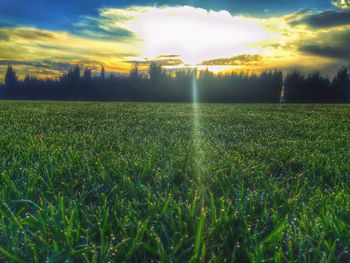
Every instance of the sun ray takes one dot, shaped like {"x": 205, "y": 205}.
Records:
{"x": 197, "y": 138}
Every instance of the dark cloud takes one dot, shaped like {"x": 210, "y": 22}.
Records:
{"x": 8, "y": 33}
{"x": 234, "y": 61}
{"x": 164, "y": 60}
{"x": 27, "y": 33}
{"x": 39, "y": 64}
{"x": 4, "y": 37}
{"x": 327, "y": 51}
{"x": 324, "y": 19}
{"x": 334, "y": 45}
{"x": 34, "y": 34}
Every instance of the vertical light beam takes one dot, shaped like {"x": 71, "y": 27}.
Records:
{"x": 198, "y": 155}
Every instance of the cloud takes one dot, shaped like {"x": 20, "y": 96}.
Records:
{"x": 323, "y": 19}
{"x": 4, "y": 37}
{"x": 9, "y": 33}
{"x": 331, "y": 44}
{"x": 343, "y": 4}
{"x": 48, "y": 53}
{"x": 163, "y": 60}
{"x": 193, "y": 33}
{"x": 60, "y": 66}
{"x": 327, "y": 51}
{"x": 235, "y": 61}
{"x": 180, "y": 36}
{"x": 32, "y": 44}
{"x": 95, "y": 28}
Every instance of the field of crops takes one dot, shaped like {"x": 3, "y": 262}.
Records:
{"x": 107, "y": 182}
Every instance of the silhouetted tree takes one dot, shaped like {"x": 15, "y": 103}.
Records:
{"x": 87, "y": 75}
{"x": 177, "y": 86}
{"x": 341, "y": 84}
{"x": 294, "y": 86}
{"x": 155, "y": 72}
{"x": 134, "y": 73}
{"x": 318, "y": 88}
{"x": 206, "y": 74}
{"x": 74, "y": 75}
{"x": 103, "y": 75}
{"x": 10, "y": 79}
{"x": 312, "y": 88}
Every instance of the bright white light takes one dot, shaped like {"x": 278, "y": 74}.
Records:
{"x": 194, "y": 34}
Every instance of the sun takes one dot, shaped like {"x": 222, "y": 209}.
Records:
{"x": 196, "y": 34}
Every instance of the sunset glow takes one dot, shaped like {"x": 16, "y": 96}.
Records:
{"x": 179, "y": 37}
{"x": 196, "y": 34}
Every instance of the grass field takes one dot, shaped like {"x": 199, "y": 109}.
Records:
{"x": 111, "y": 182}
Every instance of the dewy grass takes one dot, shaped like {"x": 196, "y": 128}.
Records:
{"x": 107, "y": 182}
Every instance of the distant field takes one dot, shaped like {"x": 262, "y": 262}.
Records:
{"x": 106, "y": 182}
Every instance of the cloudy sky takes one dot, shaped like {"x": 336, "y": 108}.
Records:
{"x": 46, "y": 37}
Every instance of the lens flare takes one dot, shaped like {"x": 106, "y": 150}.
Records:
{"x": 197, "y": 144}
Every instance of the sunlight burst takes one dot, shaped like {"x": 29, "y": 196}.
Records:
{"x": 194, "y": 34}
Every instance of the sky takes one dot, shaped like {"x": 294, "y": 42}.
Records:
{"x": 47, "y": 37}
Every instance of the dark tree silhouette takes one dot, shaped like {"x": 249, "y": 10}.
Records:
{"x": 10, "y": 78}
{"x": 341, "y": 84}
{"x": 134, "y": 73}
{"x": 103, "y": 74}
{"x": 161, "y": 85}
{"x": 155, "y": 72}
{"x": 87, "y": 75}
{"x": 294, "y": 86}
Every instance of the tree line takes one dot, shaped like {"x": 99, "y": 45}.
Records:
{"x": 161, "y": 85}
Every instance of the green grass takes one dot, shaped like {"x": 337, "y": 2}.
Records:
{"x": 111, "y": 182}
